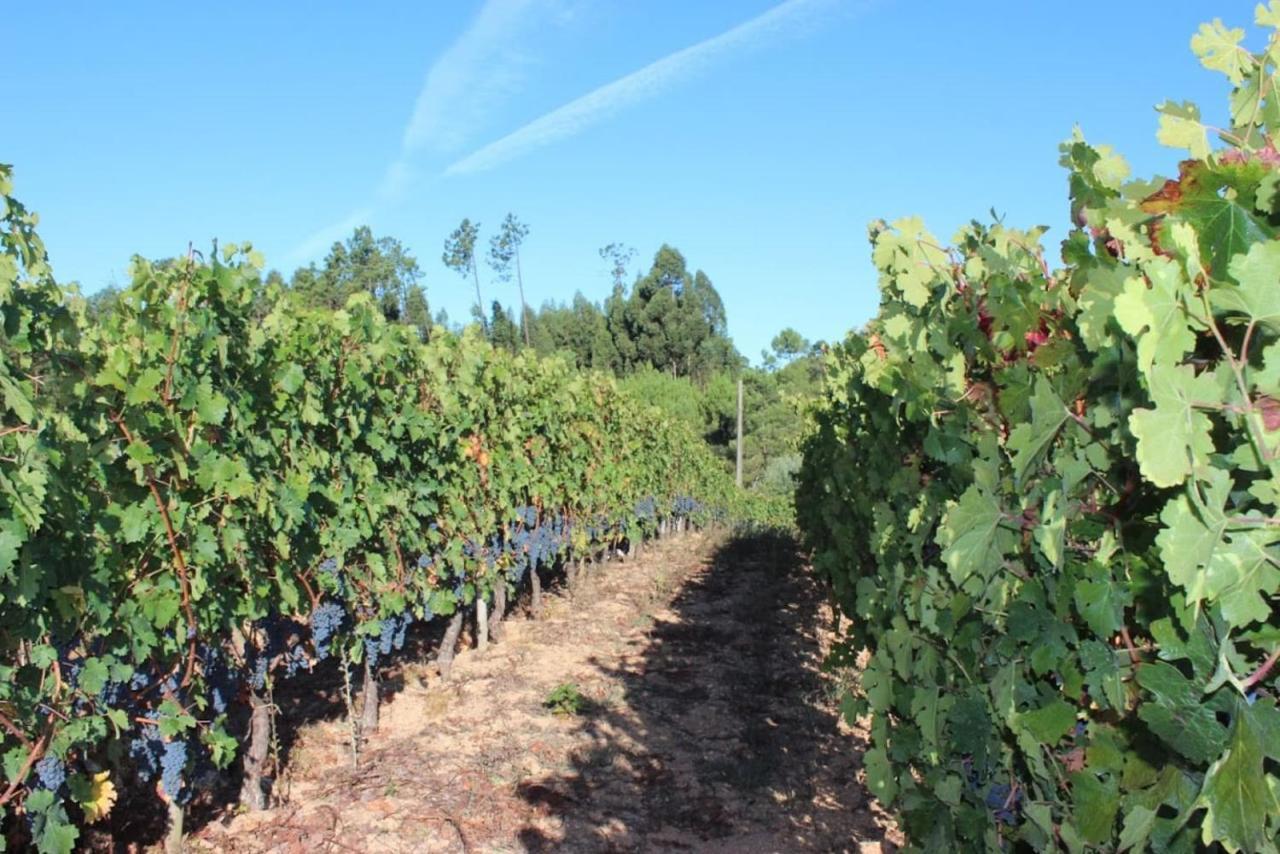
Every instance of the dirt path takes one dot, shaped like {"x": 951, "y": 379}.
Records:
{"x": 706, "y": 726}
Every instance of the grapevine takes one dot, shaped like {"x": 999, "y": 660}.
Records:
{"x": 1047, "y": 501}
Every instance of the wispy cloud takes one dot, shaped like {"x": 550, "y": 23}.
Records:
{"x": 489, "y": 63}
{"x": 320, "y": 240}
{"x": 484, "y": 66}
{"x": 589, "y": 109}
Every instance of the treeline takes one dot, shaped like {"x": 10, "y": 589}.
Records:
{"x": 669, "y": 319}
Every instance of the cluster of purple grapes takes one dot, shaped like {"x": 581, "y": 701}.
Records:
{"x": 1004, "y": 809}
{"x": 516, "y": 545}
{"x": 281, "y": 646}
{"x": 390, "y": 636}
{"x": 646, "y": 508}
{"x": 326, "y": 620}
{"x": 152, "y": 755}
{"x": 684, "y": 506}
{"x": 1003, "y": 800}
{"x": 51, "y": 773}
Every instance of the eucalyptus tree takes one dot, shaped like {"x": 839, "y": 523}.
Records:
{"x": 460, "y": 256}
{"x": 504, "y": 252}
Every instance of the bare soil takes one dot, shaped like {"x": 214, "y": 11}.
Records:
{"x": 707, "y": 725}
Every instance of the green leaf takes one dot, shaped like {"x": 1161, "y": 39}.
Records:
{"x": 1175, "y": 435}
{"x": 1156, "y": 315}
{"x": 291, "y": 377}
{"x": 1178, "y": 714}
{"x": 970, "y": 727}
{"x": 1048, "y": 724}
{"x": 1100, "y": 600}
{"x": 57, "y": 837}
{"x": 913, "y": 255}
{"x": 1238, "y": 795}
{"x": 1111, "y": 170}
{"x": 1097, "y": 305}
{"x": 94, "y": 676}
{"x": 1226, "y": 228}
{"x": 1052, "y": 532}
{"x": 135, "y": 522}
{"x": 1138, "y": 823}
{"x": 1096, "y": 803}
{"x": 1267, "y": 14}
{"x": 1199, "y": 647}
{"x": 1237, "y": 569}
{"x": 1257, "y": 296}
{"x": 973, "y": 538}
{"x": 880, "y": 777}
{"x": 143, "y": 389}
{"x": 1029, "y": 440}
{"x": 211, "y": 406}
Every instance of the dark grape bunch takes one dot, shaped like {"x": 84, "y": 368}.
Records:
{"x": 51, "y": 773}
{"x": 326, "y": 621}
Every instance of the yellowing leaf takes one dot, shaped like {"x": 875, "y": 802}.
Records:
{"x": 1180, "y": 127}
{"x": 102, "y": 797}
{"x": 1219, "y": 50}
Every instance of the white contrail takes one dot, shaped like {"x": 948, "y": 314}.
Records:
{"x": 462, "y": 87}
{"x": 320, "y": 240}
{"x": 484, "y": 66}
{"x": 487, "y": 65}
{"x": 578, "y": 114}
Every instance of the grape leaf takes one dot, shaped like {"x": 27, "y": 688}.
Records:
{"x": 1174, "y": 436}
{"x": 880, "y": 778}
{"x": 1180, "y": 127}
{"x": 1156, "y": 315}
{"x": 1239, "y": 797}
{"x": 1219, "y": 50}
{"x": 1257, "y": 295}
{"x": 1243, "y": 574}
{"x": 1096, "y": 803}
{"x": 1048, "y": 724}
{"x": 1028, "y": 441}
{"x": 1178, "y": 714}
{"x": 973, "y": 537}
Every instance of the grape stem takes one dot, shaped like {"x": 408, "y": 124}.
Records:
{"x": 1262, "y": 671}
{"x": 13, "y": 730}
{"x": 179, "y": 560}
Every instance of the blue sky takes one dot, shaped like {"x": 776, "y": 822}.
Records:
{"x": 757, "y": 137}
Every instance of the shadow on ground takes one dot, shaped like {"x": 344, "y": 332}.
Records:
{"x": 727, "y": 737}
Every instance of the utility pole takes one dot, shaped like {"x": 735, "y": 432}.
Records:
{"x": 738, "y": 477}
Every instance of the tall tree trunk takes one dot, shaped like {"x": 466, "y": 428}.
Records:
{"x": 475, "y": 273}
{"x": 369, "y": 694}
{"x": 252, "y": 792}
{"x": 524, "y": 309}
{"x": 496, "y": 628}
{"x": 449, "y": 645}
